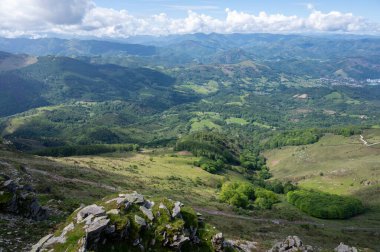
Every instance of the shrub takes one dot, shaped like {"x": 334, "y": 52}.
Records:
{"x": 295, "y": 137}
{"x": 265, "y": 198}
{"x": 288, "y": 187}
{"x": 81, "y": 150}
{"x": 324, "y": 205}
{"x": 209, "y": 145}
{"x": 237, "y": 194}
{"x": 252, "y": 161}
{"x": 264, "y": 173}
{"x": 210, "y": 166}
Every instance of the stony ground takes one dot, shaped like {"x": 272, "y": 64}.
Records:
{"x": 18, "y": 233}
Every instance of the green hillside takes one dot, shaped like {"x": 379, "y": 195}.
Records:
{"x": 265, "y": 136}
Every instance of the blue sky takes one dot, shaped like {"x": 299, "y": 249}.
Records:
{"x": 125, "y": 18}
{"x": 365, "y": 8}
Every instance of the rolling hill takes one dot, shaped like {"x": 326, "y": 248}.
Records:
{"x": 228, "y": 124}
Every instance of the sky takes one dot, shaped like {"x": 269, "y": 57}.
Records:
{"x": 125, "y": 18}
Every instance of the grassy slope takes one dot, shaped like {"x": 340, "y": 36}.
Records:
{"x": 337, "y": 165}
{"x": 75, "y": 180}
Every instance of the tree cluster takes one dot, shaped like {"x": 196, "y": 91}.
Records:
{"x": 324, "y": 205}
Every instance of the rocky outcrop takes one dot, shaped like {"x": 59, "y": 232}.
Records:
{"x": 131, "y": 220}
{"x": 221, "y": 245}
{"x": 291, "y": 243}
{"x": 218, "y": 242}
{"x": 345, "y": 248}
{"x": 20, "y": 200}
{"x": 242, "y": 245}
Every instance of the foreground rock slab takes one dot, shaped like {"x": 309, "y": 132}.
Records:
{"x": 130, "y": 220}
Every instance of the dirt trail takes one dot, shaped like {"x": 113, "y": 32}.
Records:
{"x": 275, "y": 221}
{"x": 201, "y": 210}
{"x": 73, "y": 180}
{"x": 284, "y": 222}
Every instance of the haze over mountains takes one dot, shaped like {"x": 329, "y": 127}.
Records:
{"x": 262, "y": 125}
{"x": 193, "y": 46}
{"x": 208, "y": 126}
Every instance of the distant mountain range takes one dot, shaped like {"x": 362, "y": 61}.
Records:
{"x": 65, "y": 47}
{"x": 57, "y": 91}
{"x": 204, "y": 48}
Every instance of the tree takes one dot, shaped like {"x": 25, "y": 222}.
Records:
{"x": 237, "y": 194}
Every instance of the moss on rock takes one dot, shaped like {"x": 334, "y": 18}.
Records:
{"x": 119, "y": 224}
{"x": 5, "y": 198}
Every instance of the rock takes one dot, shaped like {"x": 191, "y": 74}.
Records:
{"x": 54, "y": 240}
{"x": 149, "y": 204}
{"x": 135, "y": 198}
{"x": 28, "y": 188}
{"x": 88, "y": 219}
{"x": 177, "y": 209}
{"x": 82, "y": 243}
{"x": 60, "y": 239}
{"x": 110, "y": 229}
{"x": 120, "y": 201}
{"x": 241, "y": 245}
{"x": 218, "y": 242}
{"x": 178, "y": 241}
{"x": 21, "y": 201}
{"x": 297, "y": 241}
{"x": 92, "y": 227}
{"x": 96, "y": 227}
{"x": 127, "y": 205}
{"x": 36, "y": 212}
{"x": 140, "y": 221}
{"x": 164, "y": 208}
{"x": 147, "y": 212}
{"x": 40, "y": 243}
{"x": 10, "y": 185}
{"x": 345, "y": 248}
{"x": 111, "y": 200}
{"x": 94, "y": 209}
{"x": 68, "y": 228}
{"x": 113, "y": 211}
{"x": 136, "y": 242}
{"x": 291, "y": 243}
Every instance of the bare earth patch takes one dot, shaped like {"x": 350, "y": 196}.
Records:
{"x": 184, "y": 153}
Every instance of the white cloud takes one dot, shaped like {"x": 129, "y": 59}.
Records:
{"x": 193, "y": 7}
{"x": 336, "y": 21}
{"x": 41, "y": 13}
{"x": 84, "y": 18}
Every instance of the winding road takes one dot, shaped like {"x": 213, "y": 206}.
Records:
{"x": 366, "y": 143}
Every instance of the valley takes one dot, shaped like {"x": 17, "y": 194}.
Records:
{"x": 161, "y": 172}
{"x": 257, "y": 136}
